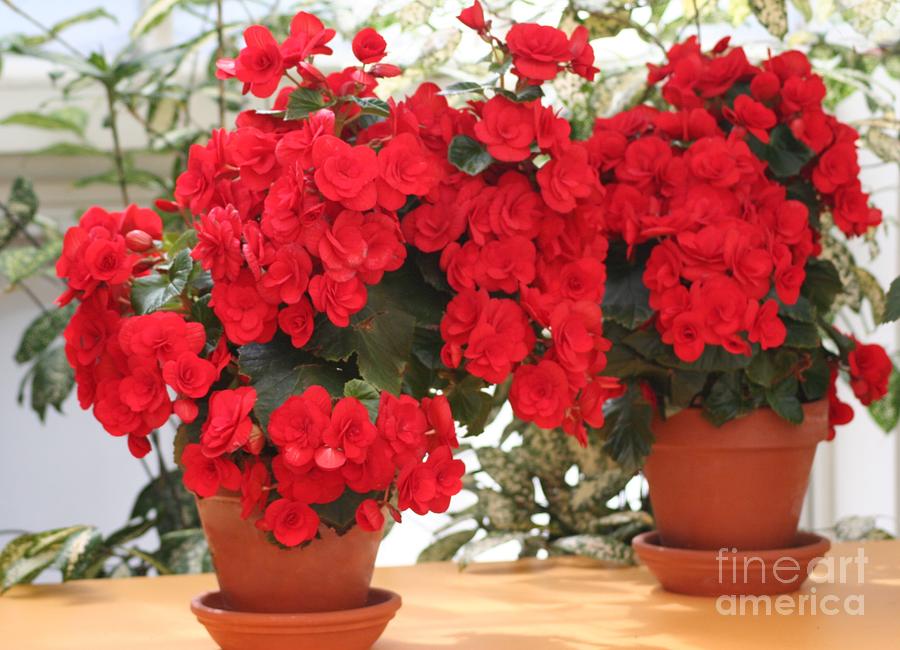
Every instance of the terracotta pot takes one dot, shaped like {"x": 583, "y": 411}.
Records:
{"x": 740, "y": 485}
{"x": 330, "y": 574}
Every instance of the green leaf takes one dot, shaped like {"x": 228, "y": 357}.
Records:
{"x": 27, "y": 556}
{"x": 822, "y": 284}
{"x": 70, "y": 118}
{"x": 469, "y": 404}
{"x": 626, "y": 300}
{"x": 155, "y": 13}
{"x": 129, "y": 532}
{"x": 597, "y": 547}
{"x": 772, "y": 14}
{"x": 784, "y": 153}
{"x": 886, "y": 411}
{"x": 815, "y": 380}
{"x": 856, "y": 529}
{"x": 446, "y": 547}
{"x": 84, "y": 17}
{"x": 784, "y": 401}
{"x": 331, "y": 342}
{"x": 79, "y": 552}
{"x": 805, "y": 8}
{"x": 884, "y": 146}
{"x": 801, "y": 311}
{"x": 608, "y": 22}
{"x": 627, "y": 429}
{"x": 140, "y": 177}
{"x": 278, "y": 370}
{"x": 24, "y": 570}
{"x": 42, "y": 331}
{"x": 684, "y": 387}
{"x": 52, "y": 380}
{"x": 52, "y": 539}
{"x": 68, "y": 149}
{"x": 725, "y": 400}
{"x": 801, "y": 335}
{"x": 21, "y": 262}
{"x": 383, "y": 345}
{"x": 185, "y": 551}
{"x": 892, "y": 304}
{"x": 74, "y": 63}
{"x": 594, "y": 490}
{"x": 462, "y": 87}
{"x": 340, "y": 514}
{"x": 468, "y": 155}
{"x": 473, "y": 549}
{"x": 365, "y": 393}
{"x": 159, "y": 290}
{"x": 302, "y": 102}
{"x": 771, "y": 366}
{"x": 166, "y": 501}
{"x": 148, "y": 559}
{"x": 23, "y": 202}
{"x": 372, "y": 105}
{"x": 871, "y": 290}
{"x": 511, "y": 473}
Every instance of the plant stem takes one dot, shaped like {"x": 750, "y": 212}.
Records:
{"x": 697, "y": 20}
{"x": 20, "y": 227}
{"x": 50, "y": 33}
{"x": 118, "y": 158}
{"x": 220, "y": 52}
{"x": 147, "y": 469}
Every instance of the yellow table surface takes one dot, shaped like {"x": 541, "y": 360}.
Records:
{"x": 564, "y": 604}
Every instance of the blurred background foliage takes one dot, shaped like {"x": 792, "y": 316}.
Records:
{"x": 545, "y": 494}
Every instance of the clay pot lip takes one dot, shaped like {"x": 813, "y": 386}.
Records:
{"x": 700, "y": 573}
{"x": 383, "y": 604}
{"x": 760, "y": 429}
{"x": 807, "y": 545}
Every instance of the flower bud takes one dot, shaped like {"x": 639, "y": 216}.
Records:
{"x": 384, "y": 70}
{"x": 256, "y": 442}
{"x": 138, "y": 241}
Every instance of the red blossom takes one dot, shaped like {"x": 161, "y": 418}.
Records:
{"x": 290, "y": 522}
{"x": 227, "y": 427}
{"x": 368, "y": 46}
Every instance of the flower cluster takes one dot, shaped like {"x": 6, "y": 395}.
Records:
{"x": 297, "y": 213}
{"x": 727, "y": 234}
{"x": 521, "y": 246}
{"x": 299, "y": 216}
{"x": 126, "y": 367}
{"x": 783, "y": 91}
{"x": 322, "y": 449}
{"x": 730, "y": 238}
{"x": 722, "y": 202}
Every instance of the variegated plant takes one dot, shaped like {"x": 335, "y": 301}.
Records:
{"x": 163, "y": 507}
{"x": 550, "y": 496}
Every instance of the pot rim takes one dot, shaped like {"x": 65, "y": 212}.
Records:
{"x": 806, "y": 544}
{"x": 388, "y": 602}
{"x": 758, "y": 430}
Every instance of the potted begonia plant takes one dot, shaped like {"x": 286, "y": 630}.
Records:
{"x": 351, "y": 276}
{"x": 725, "y": 208}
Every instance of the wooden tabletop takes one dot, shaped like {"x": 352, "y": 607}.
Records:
{"x": 531, "y": 605}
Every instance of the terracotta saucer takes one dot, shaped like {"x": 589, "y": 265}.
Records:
{"x": 726, "y": 572}
{"x": 351, "y": 629}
